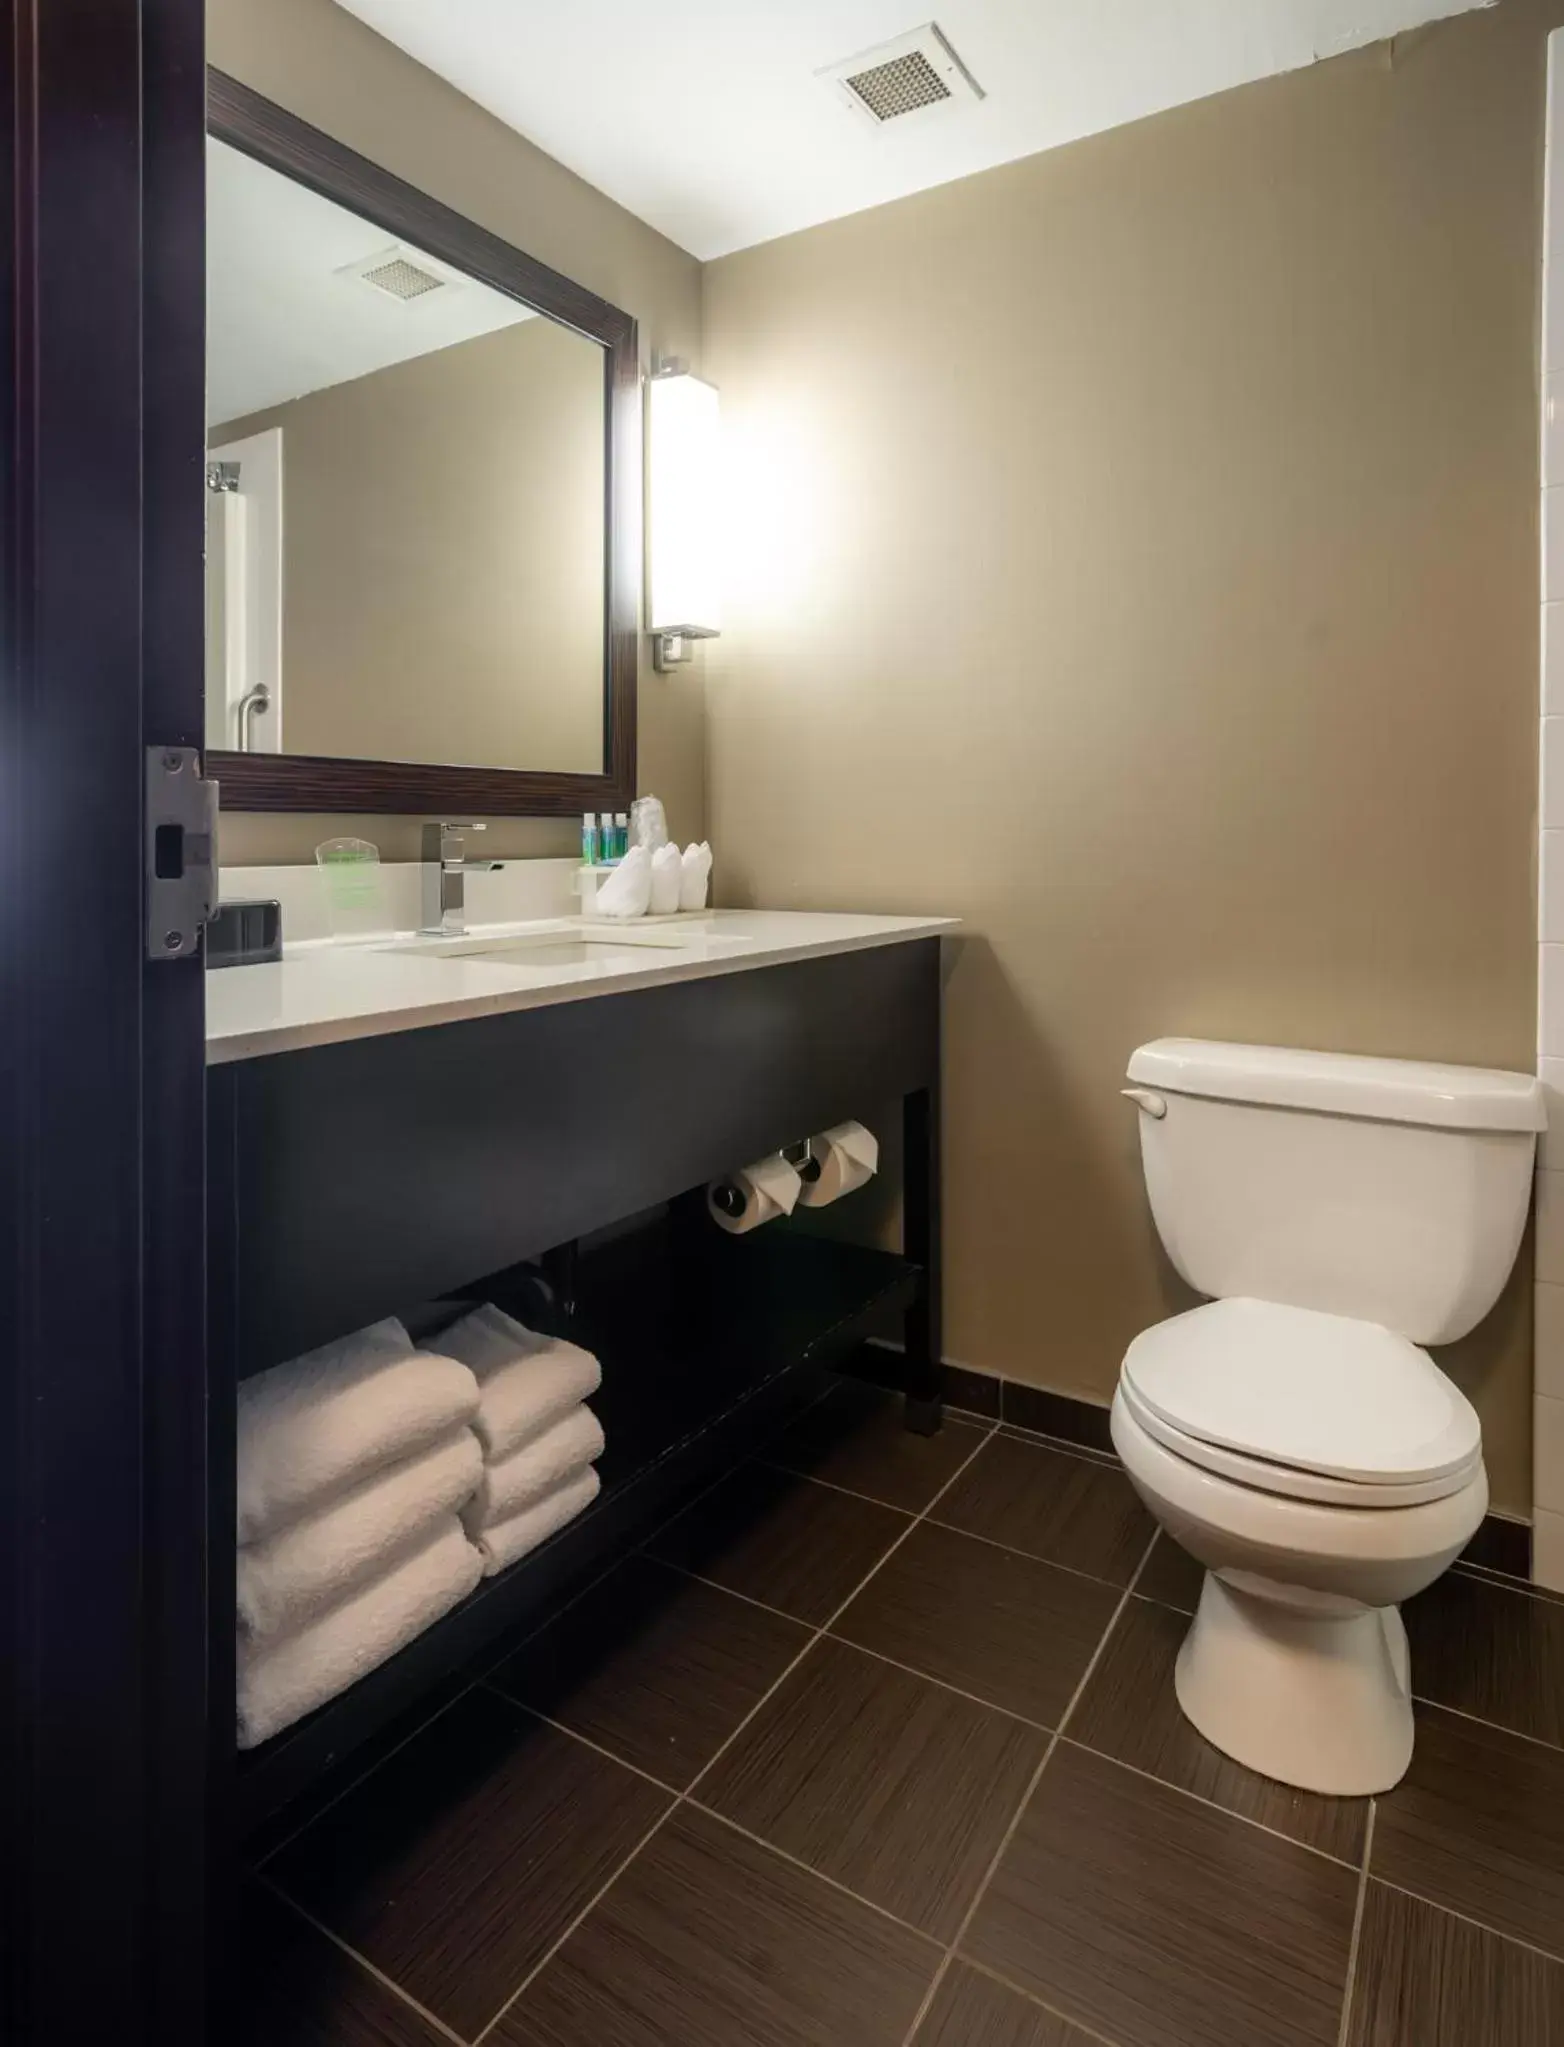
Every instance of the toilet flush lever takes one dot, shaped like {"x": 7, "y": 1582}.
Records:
{"x": 1146, "y": 1098}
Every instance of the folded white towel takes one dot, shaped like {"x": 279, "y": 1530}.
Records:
{"x": 523, "y": 1478}
{"x": 694, "y": 876}
{"x": 526, "y": 1381}
{"x": 667, "y": 873}
{"x": 281, "y": 1681}
{"x": 505, "y": 1541}
{"x": 628, "y": 889}
{"x": 323, "y": 1422}
{"x": 306, "y": 1567}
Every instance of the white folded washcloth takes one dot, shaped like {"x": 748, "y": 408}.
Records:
{"x": 694, "y": 876}
{"x": 667, "y": 873}
{"x": 628, "y": 889}
{"x": 526, "y": 1475}
{"x": 526, "y": 1381}
{"x": 280, "y": 1681}
{"x": 505, "y": 1541}
{"x": 306, "y": 1567}
{"x": 312, "y": 1427}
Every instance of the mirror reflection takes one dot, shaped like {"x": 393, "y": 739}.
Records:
{"x": 405, "y": 498}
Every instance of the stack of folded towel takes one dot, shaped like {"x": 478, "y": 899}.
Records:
{"x": 539, "y": 1438}
{"x": 354, "y": 1464}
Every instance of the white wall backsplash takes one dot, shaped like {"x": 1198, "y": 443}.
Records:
{"x": 518, "y": 890}
{"x": 1547, "y": 1548}
{"x": 1548, "y": 1379}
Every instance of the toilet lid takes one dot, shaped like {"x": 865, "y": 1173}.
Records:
{"x": 1321, "y": 1393}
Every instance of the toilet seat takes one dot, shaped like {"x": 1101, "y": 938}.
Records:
{"x": 1302, "y": 1404}
{"x": 1287, "y": 1481}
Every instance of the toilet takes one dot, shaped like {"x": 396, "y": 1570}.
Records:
{"x": 1293, "y": 1434}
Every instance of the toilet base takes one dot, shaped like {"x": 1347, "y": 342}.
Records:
{"x": 1316, "y": 1699}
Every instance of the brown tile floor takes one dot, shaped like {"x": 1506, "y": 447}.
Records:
{"x": 876, "y": 1747}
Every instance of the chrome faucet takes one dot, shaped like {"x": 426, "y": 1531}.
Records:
{"x": 445, "y": 869}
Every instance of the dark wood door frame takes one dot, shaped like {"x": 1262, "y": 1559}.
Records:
{"x": 271, "y": 781}
{"x": 103, "y": 1584}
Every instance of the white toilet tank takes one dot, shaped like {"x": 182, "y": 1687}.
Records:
{"x": 1379, "y": 1188}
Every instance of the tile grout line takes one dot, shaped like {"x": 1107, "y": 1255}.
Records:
{"x": 1198, "y": 1798}
{"x": 1357, "y": 1929}
{"x": 950, "y": 1528}
{"x": 674, "y": 1802}
{"x": 586, "y": 1741}
{"x": 822, "y": 1633}
{"x": 1031, "y": 1997}
{"x": 760, "y": 1841}
{"x": 1027, "y": 1556}
{"x": 1087, "y": 1451}
{"x": 834, "y": 1485}
{"x": 1102, "y": 1459}
{"x": 1053, "y": 1563}
{"x": 687, "y": 1795}
{"x": 1026, "y": 1799}
{"x": 1494, "y": 1576}
{"x": 1466, "y": 1919}
{"x": 1506, "y": 1581}
{"x": 881, "y": 1911}
{"x": 940, "y": 1684}
{"x": 362, "y": 1961}
{"x": 826, "y": 1628}
{"x": 1477, "y": 1720}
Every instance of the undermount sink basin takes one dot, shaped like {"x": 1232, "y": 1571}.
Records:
{"x": 558, "y": 952}
{"x": 577, "y": 945}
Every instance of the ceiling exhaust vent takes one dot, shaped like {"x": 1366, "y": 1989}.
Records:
{"x": 399, "y": 274}
{"x": 918, "y": 73}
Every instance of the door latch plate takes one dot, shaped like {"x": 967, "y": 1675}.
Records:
{"x": 181, "y": 851}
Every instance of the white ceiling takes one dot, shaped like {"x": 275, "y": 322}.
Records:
{"x": 706, "y": 118}
{"x": 281, "y": 322}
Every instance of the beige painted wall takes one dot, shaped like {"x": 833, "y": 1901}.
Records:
{"x": 322, "y": 64}
{"x": 443, "y": 556}
{"x": 1136, "y": 555}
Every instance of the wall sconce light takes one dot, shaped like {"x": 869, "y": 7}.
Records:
{"x": 682, "y": 513}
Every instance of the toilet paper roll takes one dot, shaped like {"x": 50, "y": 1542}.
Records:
{"x": 846, "y": 1156}
{"x": 742, "y": 1201}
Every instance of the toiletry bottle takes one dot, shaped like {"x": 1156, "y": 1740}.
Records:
{"x": 622, "y": 833}
{"x": 589, "y": 841}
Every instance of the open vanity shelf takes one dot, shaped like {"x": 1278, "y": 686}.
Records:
{"x": 414, "y": 1173}
{"x": 684, "y": 1397}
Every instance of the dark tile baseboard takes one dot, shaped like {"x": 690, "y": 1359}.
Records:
{"x": 1502, "y": 1545}
{"x": 1059, "y": 1415}
{"x": 973, "y": 1392}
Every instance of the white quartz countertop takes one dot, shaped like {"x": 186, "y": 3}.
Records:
{"x": 322, "y": 994}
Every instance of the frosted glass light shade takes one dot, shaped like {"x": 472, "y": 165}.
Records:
{"x": 682, "y": 507}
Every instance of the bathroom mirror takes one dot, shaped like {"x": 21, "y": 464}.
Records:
{"x": 421, "y": 496}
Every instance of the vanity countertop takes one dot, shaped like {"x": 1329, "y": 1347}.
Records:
{"x": 322, "y": 994}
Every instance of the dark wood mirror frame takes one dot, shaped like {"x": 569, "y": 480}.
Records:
{"x": 256, "y": 781}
